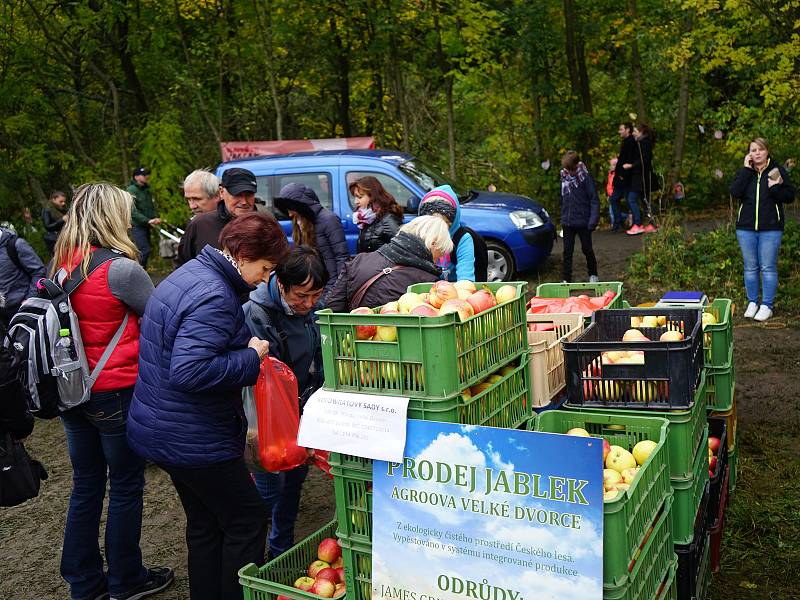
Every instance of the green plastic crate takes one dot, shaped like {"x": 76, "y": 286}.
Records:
{"x": 718, "y": 338}
{"x": 669, "y": 587}
{"x": 685, "y": 429}
{"x": 353, "y": 491}
{"x": 626, "y": 519}
{"x": 432, "y": 357}
{"x": 720, "y": 384}
{"x": 277, "y": 576}
{"x": 357, "y": 560}
{"x": 565, "y": 290}
{"x": 688, "y": 496}
{"x": 652, "y": 566}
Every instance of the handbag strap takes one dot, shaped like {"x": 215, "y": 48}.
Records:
{"x": 355, "y": 302}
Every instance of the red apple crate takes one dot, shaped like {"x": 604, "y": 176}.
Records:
{"x": 685, "y": 429}
{"x": 715, "y": 533}
{"x": 718, "y": 338}
{"x": 547, "y": 358}
{"x": 668, "y": 378}
{"x": 277, "y": 577}
{"x": 720, "y": 385}
{"x": 691, "y": 498}
{"x": 717, "y": 428}
{"x": 432, "y": 357}
{"x": 628, "y": 518}
{"x": 652, "y": 567}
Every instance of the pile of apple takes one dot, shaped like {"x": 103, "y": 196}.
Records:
{"x": 713, "y": 451}
{"x": 325, "y": 576}
{"x": 621, "y": 466}
{"x": 461, "y": 297}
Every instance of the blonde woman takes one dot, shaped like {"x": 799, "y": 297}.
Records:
{"x": 94, "y": 244}
{"x": 375, "y": 278}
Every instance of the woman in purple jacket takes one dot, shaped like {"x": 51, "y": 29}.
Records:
{"x": 195, "y": 356}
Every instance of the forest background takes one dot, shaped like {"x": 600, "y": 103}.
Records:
{"x": 491, "y": 90}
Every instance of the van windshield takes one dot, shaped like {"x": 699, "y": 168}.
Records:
{"x": 428, "y": 177}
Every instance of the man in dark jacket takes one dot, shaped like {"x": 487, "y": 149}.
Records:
{"x": 580, "y": 212}
{"x": 282, "y": 312}
{"x": 628, "y": 154}
{"x": 416, "y": 248}
{"x": 20, "y": 269}
{"x": 301, "y": 202}
{"x": 143, "y": 214}
{"x": 238, "y": 193}
{"x": 54, "y": 217}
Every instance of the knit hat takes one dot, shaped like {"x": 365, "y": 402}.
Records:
{"x": 438, "y": 202}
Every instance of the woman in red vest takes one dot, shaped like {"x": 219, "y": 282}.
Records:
{"x": 96, "y": 430}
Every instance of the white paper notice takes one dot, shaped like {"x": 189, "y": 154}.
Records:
{"x": 358, "y": 424}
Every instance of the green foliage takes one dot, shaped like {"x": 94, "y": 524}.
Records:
{"x": 711, "y": 262}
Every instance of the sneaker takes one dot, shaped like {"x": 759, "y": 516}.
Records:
{"x": 593, "y": 279}
{"x": 635, "y": 230}
{"x": 752, "y": 308}
{"x": 650, "y": 228}
{"x": 158, "y": 579}
{"x": 764, "y": 313}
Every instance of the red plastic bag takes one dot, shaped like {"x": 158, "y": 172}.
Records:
{"x": 278, "y": 417}
{"x": 574, "y": 304}
{"x": 319, "y": 458}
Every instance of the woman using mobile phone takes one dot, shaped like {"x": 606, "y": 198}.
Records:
{"x": 762, "y": 187}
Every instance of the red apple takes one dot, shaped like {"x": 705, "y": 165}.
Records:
{"x": 713, "y": 444}
{"x": 482, "y": 300}
{"x": 340, "y": 575}
{"x": 284, "y": 598}
{"x": 424, "y": 310}
{"x": 329, "y": 574}
{"x": 441, "y": 291}
{"x": 304, "y": 583}
{"x": 712, "y": 463}
{"x": 329, "y": 550}
{"x": 323, "y": 588}
{"x": 606, "y": 450}
{"x": 462, "y": 307}
{"x": 316, "y": 566}
{"x": 340, "y": 591}
{"x": 338, "y": 563}
{"x": 364, "y": 332}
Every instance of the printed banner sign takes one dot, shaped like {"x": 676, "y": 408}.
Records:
{"x": 488, "y": 514}
{"x": 359, "y": 424}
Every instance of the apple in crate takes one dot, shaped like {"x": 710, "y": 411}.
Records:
{"x": 634, "y": 335}
{"x": 505, "y": 293}
{"x": 579, "y": 431}
{"x": 387, "y": 333}
{"x": 671, "y": 336}
{"x": 482, "y": 300}
{"x": 329, "y": 550}
{"x": 441, "y": 291}
{"x": 364, "y": 332}
{"x": 713, "y": 444}
{"x": 456, "y": 305}
{"x": 315, "y": 567}
{"x": 329, "y": 574}
{"x": 390, "y": 308}
{"x": 619, "y": 459}
{"x": 304, "y": 583}
{"x": 642, "y": 450}
{"x": 628, "y": 475}
{"x": 408, "y": 301}
{"x": 340, "y": 591}
{"x": 338, "y": 563}
{"x": 340, "y": 575}
{"x": 324, "y": 588}
{"x": 611, "y": 478}
{"x": 424, "y": 310}
{"x": 606, "y": 450}
{"x": 466, "y": 285}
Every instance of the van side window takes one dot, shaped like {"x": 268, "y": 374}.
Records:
{"x": 268, "y": 186}
{"x": 401, "y": 193}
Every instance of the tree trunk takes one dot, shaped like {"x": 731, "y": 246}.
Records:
{"x": 451, "y": 131}
{"x": 119, "y": 42}
{"x": 537, "y": 120}
{"x": 341, "y": 63}
{"x": 269, "y": 54}
{"x": 680, "y": 122}
{"x": 569, "y": 34}
{"x": 578, "y": 75}
{"x": 400, "y": 98}
{"x": 636, "y": 63}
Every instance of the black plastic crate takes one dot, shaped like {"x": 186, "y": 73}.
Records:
{"x": 717, "y": 427}
{"x": 690, "y": 556}
{"x": 665, "y": 379}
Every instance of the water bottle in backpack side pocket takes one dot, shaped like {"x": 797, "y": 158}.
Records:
{"x": 68, "y": 370}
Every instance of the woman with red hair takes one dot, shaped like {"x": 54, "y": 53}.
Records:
{"x": 196, "y": 354}
{"x": 377, "y": 214}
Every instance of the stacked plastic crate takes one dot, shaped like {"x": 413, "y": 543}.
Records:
{"x": 474, "y": 372}
{"x": 649, "y": 377}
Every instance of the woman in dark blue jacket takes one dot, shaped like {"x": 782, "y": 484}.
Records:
{"x": 196, "y": 354}
{"x": 580, "y": 212}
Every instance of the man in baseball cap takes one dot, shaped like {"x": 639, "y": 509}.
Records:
{"x": 238, "y": 193}
{"x": 143, "y": 212}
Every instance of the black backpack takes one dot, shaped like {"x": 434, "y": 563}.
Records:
{"x": 481, "y": 251}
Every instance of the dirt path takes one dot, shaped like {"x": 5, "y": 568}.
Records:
{"x": 30, "y": 535}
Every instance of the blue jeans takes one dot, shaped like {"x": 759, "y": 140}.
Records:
{"x": 616, "y": 209}
{"x": 98, "y": 449}
{"x": 281, "y": 494}
{"x": 760, "y": 254}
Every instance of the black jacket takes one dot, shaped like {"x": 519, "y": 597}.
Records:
{"x": 628, "y": 154}
{"x": 640, "y": 175}
{"x": 53, "y": 220}
{"x": 328, "y": 228}
{"x": 14, "y": 415}
{"x": 404, "y": 249}
{"x": 379, "y": 232}
{"x": 580, "y": 206}
{"x": 203, "y": 229}
{"x": 761, "y": 206}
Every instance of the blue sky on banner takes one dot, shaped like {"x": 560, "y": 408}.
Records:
{"x": 417, "y": 565}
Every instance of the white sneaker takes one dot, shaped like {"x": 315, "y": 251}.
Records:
{"x": 752, "y": 308}
{"x": 764, "y": 313}
{"x": 593, "y": 279}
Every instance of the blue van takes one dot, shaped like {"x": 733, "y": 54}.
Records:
{"x": 518, "y": 231}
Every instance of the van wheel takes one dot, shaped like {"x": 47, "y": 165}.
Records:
{"x": 500, "y": 265}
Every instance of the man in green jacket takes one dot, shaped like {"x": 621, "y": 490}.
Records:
{"x": 143, "y": 214}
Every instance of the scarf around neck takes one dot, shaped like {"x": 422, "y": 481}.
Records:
{"x": 570, "y": 182}
{"x": 409, "y": 250}
{"x": 363, "y": 217}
